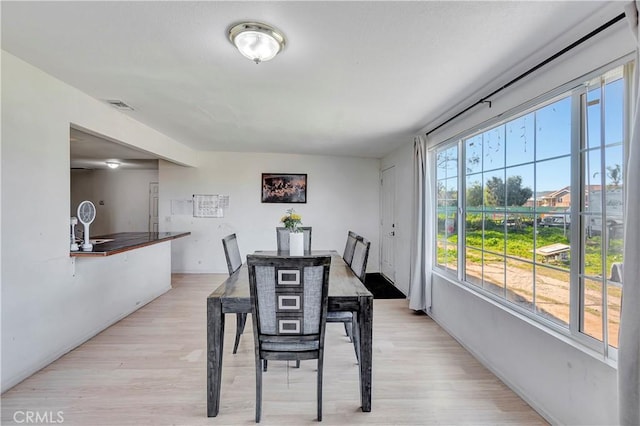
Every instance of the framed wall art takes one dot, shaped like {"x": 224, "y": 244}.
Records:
{"x": 284, "y": 188}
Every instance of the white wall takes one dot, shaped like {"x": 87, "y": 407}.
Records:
{"x": 121, "y": 198}
{"x": 563, "y": 381}
{"x": 343, "y": 195}
{"x": 46, "y": 311}
{"x": 402, "y": 161}
{"x": 51, "y": 303}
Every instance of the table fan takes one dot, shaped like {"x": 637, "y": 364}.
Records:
{"x": 86, "y": 215}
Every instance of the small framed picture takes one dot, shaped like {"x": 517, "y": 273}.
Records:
{"x": 284, "y": 188}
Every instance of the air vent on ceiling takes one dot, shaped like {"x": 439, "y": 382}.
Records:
{"x": 119, "y": 104}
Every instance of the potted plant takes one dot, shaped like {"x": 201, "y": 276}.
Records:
{"x": 292, "y": 221}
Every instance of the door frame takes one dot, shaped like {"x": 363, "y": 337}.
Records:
{"x": 382, "y": 230}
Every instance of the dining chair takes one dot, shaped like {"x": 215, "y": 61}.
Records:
{"x": 282, "y": 236}
{"x": 350, "y": 247}
{"x": 360, "y": 257}
{"x": 289, "y": 298}
{"x": 346, "y": 317}
{"x": 234, "y": 262}
{"x": 358, "y": 265}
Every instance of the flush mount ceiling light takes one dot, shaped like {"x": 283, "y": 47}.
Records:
{"x": 256, "y": 41}
{"x": 113, "y": 164}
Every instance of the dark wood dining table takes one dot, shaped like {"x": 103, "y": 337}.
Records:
{"x": 346, "y": 293}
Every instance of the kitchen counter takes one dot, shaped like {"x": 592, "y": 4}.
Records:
{"x": 125, "y": 241}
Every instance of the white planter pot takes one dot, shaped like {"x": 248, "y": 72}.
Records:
{"x": 296, "y": 244}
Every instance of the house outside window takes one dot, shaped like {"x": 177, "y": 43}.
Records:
{"x": 530, "y": 209}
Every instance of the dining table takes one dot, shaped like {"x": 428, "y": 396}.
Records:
{"x": 346, "y": 293}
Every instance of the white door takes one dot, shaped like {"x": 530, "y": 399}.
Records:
{"x": 153, "y": 206}
{"x": 388, "y": 232}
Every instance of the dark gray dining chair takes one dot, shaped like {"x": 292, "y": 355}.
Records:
{"x": 350, "y": 247}
{"x": 282, "y": 236}
{"x": 359, "y": 268}
{"x": 340, "y": 316}
{"x": 360, "y": 258}
{"x": 234, "y": 262}
{"x": 289, "y": 298}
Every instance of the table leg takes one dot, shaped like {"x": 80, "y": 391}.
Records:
{"x": 215, "y": 340}
{"x": 365, "y": 327}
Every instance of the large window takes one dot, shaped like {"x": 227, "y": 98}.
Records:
{"x": 536, "y": 201}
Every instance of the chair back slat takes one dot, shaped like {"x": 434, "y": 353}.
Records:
{"x": 282, "y": 235}
{"x": 232, "y": 253}
{"x": 360, "y": 257}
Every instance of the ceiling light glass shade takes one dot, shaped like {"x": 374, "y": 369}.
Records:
{"x": 256, "y": 41}
{"x": 113, "y": 164}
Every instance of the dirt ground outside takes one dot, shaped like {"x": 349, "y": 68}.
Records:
{"x": 552, "y": 294}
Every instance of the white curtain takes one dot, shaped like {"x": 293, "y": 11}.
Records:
{"x": 629, "y": 337}
{"x": 422, "y": 229}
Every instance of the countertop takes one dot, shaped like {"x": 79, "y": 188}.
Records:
{"x": 125, "y": 241}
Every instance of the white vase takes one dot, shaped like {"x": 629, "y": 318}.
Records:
{"x": 296, "y": 244}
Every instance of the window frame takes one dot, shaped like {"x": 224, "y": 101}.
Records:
{"x": 573, "y": 89}
{"x": 434, "y": 167}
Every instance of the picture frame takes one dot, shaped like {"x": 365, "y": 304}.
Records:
{"x": 284, "y": 188}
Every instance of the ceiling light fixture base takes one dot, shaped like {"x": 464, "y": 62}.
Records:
{"x": 257, "y": 41}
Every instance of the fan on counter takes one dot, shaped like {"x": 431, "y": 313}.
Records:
{"x": 86, "y": 215}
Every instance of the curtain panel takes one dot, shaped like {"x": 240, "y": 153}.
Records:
{"x": 422, "y": 228}
{"x": 629, "y": 337}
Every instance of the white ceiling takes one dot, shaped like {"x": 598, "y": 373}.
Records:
{"x": 356, "y": 78}
{"x": 88, "y": 151}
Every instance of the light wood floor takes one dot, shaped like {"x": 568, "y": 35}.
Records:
{"x": 150, "y": 369}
